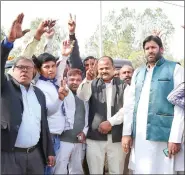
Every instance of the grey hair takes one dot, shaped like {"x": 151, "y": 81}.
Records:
{"x": 128, "y": 65}
{"x": 22, "y": 58}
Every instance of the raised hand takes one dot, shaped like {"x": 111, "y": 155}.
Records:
{"x": 63, "y": 91}
{"x": 157, "y": 33}
{"x": 72, "y": 24}
{"x": 44, "y": 26}
{"x": 51, "y": 23}
{"x": 67, "y": 47}
{"x": 16, "y": 29}
{"x": 92, "y": 71}
{"x": 50, "y": 33}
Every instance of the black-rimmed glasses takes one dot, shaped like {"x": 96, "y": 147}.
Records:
{"x": 22, "y": 67}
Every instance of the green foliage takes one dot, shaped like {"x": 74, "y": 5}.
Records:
{"x": 123, "y": 33}
{"x": 2, "y": 33}
{"x": 60, "y": 35}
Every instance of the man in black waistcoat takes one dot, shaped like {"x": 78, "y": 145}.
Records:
{"x": 25, "y": 139}
{"x": 105, "y": 96}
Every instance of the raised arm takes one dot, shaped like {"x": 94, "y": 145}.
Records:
{"x": 7, "y": 44}
{"x": 44, "y": 27}
{"x": 67, "y": 48}
{"x": 48, "y": 46}
{"x": 75, "y": 60}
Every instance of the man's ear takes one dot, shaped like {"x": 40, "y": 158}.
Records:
{"x": 162, "y": 50}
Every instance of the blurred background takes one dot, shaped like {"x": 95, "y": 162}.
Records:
{"x": 113, "y": 28}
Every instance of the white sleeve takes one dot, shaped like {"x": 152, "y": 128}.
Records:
{"x": 128, "y": 107}
{"x": 177, "y": 128}
{"x": 86, "y": 127}
{"x": 60, "y": 68}
{"x": 84, "y": 91}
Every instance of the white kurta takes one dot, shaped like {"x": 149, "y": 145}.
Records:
{"x": 147, "y": 157}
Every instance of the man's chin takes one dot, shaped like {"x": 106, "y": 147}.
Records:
{"x": 128, "y": 81}
{"x": 73, "y": 90}
{"x": 24, "y": 83}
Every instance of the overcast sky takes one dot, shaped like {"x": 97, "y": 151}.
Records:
{"x": 87, "y": 13}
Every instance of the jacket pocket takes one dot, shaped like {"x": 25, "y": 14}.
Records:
{"x": 164, "y": 79}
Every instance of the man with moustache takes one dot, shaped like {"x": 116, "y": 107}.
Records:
{"x": 105, "y": 95}
{"x": 72, "y": 145}
{"x": 26, "y": 145}
{"x": 126, "y": 73}
{"x": 151, "y": 123}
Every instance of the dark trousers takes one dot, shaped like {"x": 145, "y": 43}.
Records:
{"x": 22, "y": 162}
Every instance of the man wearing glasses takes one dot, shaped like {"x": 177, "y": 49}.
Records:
{"x": 26, "y": 145}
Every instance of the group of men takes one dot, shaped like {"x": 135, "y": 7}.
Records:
{"x": 58, "y": 114}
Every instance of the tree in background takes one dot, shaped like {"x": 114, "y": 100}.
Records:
{"x": 124, "y": 32}
{"x": 2, "y": 33}
{"x": 60, "y": 35}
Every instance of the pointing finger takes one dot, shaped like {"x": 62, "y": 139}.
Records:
{"x": 64, "y": 82}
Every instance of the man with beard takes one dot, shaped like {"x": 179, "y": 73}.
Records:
{"x": 152, "y": 125}
{"x": 126, "y": 73}
{"x": 72, "y": 145}
{"x": 105, "y": 95}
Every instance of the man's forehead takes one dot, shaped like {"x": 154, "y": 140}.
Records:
{"x": 90, "y": 60}
{"x": 104, "y": 61}
{"x": 75, "y": 76}
{"x": 126, "y": 67}
{"x": 151, "y": 43}
{"x": 49, "y": 63}
{"x": 24, "y": 62}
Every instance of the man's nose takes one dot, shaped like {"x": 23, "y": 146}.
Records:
{"x": 25, "y": 70}
{"x": 150, "y": 50}
{"x": 50, "y": 69}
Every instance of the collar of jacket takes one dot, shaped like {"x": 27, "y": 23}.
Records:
{"x": 114, "y": 81}
{"x": 159, "y": 62}
{"x": 16, "y": 84}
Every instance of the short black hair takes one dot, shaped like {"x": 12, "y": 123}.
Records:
{"x": 153, "y": 38}
{"x": 88, "y": 58}
{"x": 42, "y": 58}
{"x": 108, "y": 58}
